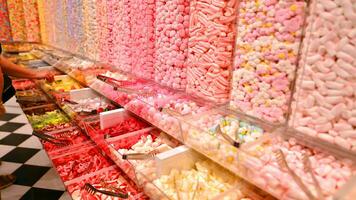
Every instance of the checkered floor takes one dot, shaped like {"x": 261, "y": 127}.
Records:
{"x": 22, "y": 155}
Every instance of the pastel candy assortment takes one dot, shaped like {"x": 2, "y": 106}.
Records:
{"x": 330, "y": 172}
{"x": 267, "y": 44}
{"x": 119, "y": 37}
{"x": 142, "y": 16}
{"x": 172, "y": 34}
{"x": 211, "y": 37}
{"x": 74, "y": 14}
{"x": 324, "y": 104}
{"x": 101, "y": 16}
{"x": 91, "y": 30}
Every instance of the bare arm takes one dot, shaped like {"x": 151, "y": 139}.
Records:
{"x": 22, "y": 72}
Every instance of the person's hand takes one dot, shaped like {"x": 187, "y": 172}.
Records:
{"x": 2, "y": 109}
{"x": 45, "y": 75}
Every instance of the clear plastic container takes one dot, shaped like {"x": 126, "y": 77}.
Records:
{"x": 171, "y": 43}
{"x": 269, "y": 35}
{"x": 211, "y": 37}
{"x": 324, "y": 103}
{"x": 108, "y": 179}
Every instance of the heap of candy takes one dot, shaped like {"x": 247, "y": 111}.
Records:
{"x": 172, "y": 33}
{"x": 267, "y": 46}
{"x": 204, "y": 182}
{"x": 80, "y": 163}
{"x": 111, "y": 179}
{"x": 73, "y": 137}
{"x": 23, "y": 84}
{"x": 63, "y": 85}
{"x": 51, "y": 118}
{"x": 324, "y": 103}
{"x": 95, "y": 105}
{"x": 330, "y": 172}
{"x": 142, "y": 143}
{"x": 33, "y": 95}
{"x": 211, "y": 38}
{"x": 238, "y": 130}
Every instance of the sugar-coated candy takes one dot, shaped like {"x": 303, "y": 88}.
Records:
{"x": 324, "y": 102}
{"x": 172, "y": 33}
{"x": 267, "y": 46}
{"x": 203, "y": 181}
{"x": 211, "y": 37}
{"x": 331, "y": 173}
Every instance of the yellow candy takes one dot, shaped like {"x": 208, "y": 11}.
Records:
{"x": 293, "y": 7}
{"x": 230, "y": 159}
{"x": 281, "y": 56}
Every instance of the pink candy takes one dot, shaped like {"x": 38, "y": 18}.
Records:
{"x": 266, "y": 50}
{"x": 212, "y": 33}
{"x": 172, "y": 31}
{"x": 324, "y": 103}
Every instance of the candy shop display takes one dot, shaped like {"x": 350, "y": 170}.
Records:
{"x": 267, "y": 46}
{"x": 82, "y": 162}
{"x": 51, "y": 118}
{"x": 110, "y": 179}
{"x": 324, "y": 103}
{"x": 211, "y": 37}
{"x": 269, "y": 173}
{"x": 219, "y": 99}
{"x": 203, "y": 181}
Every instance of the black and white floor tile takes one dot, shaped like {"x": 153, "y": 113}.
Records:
{"x": 22, "y": 155}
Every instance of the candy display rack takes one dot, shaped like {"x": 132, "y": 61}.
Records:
{"x": 151, "y": 111}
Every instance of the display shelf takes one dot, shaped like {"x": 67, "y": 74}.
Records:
{"x": 152, "y": 109}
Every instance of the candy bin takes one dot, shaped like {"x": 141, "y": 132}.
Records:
{"x": 172, "y": 34}
{"x": 71, "y": 135}
{"x": 31, "y": 96}
{"x": 110, "y": 179}
{"x": 120, "y": 88}
{"x": 74, "y": 164}
{"x": 62, "y": 84}
{"x": 324, "y": 102}
{"x": 156, "y": 116}
{"x": 46, "y": 117}
{"x": 114, "y": 125}
{"x": 267, "y": 46}
{"x": 23, "y": 84}
{"x": 210, "y": 50}
{"x": 34, "y": 63}
{"x": 186, "y": 175}
{"x": 221, "y": 135}
{"x": 289, "y": 170}
{"x": 135, "y": 152}
{"x": 83, "y": 103}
